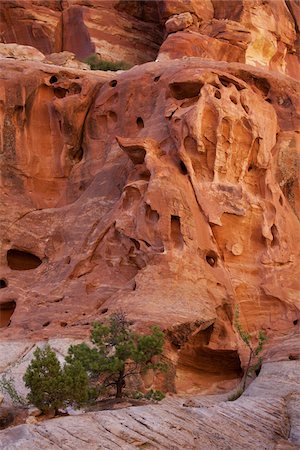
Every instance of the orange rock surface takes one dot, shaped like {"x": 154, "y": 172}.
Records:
{"x": 115, "y": 29}
{"x": 170, "y": 191}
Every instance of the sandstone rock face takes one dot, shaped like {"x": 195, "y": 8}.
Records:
{"x": 24, "y": 52}
{"x": 260, "y": 33}
{"x": 169, "y": 191}
{"x": 114, "y": 29}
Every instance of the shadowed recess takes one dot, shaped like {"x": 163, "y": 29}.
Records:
{"x": 6, "y": 311}
{"x": 188, "y": 89}
{"x": 3, "y": 283}
{"x": 19, "y": 260}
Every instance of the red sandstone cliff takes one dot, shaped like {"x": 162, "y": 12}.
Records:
{"x": 170, "y": 191}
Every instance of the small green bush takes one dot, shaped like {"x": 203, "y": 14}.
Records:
{"x": 7, "y": 387}
{"x": 118, "y": 353}
{"x": 97, "y": 63}
{"x": 254, "y": 360}
{"x": 154, "y": 395}
{"x": 52, "y": 387}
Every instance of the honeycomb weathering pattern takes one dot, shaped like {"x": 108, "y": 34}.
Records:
{"x": 174, "y": 222}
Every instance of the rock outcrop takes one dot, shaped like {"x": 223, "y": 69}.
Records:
{"x": 170, "y": 191}
{"x": 266, "y": 416}
{"x": 115, "y": 29}
{"x": 170, "y": 187}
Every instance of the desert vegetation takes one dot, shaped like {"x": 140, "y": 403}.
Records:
{"x": 96, "y": 63}
{"x": 255, "y": 345}
{"x": 102, "y": 367}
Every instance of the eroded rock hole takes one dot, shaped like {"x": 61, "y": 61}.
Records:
{"x": 281, "y": 201}
{"x": 295, "y": 322}
{"x": 3, "y": 283}
{"x": 188, "y": 89}
{"x": 176, "y": 234}
{"x": 203, "y": 366}
{"x": 233, "y": 99}
{"x": 225, "y": 81}
{"x": 218, "y": 94}
{"x": 77, "y": 156}
{"x": 156, "y": 79}
{"x": 19, "y": 260}
{"x": 183, "y": 168}
{"x": 211, "y": 258}
{"x": 75, "y": 88}
{"x": 140, "y": 122}
{"x": 53, "y": 79}
{"x": 63, "y": 324}
{"x": 6, "y": 311}
{"x": 136, "y": 153}
{"x": 113, "y": 83}
{"x": 113, "y": 116}
{"x": 250, "y": 168}
{"x": 245, "y": 108}
{"x": 275, "y": 235}
{"x": 151, "y": 214}
{"x": 46, "y": 324}
{"x": 60, "y": 92}
{"x": 104, "y": 311}
{"x": 284, "y": 101}
{"x": 136, "y": 243}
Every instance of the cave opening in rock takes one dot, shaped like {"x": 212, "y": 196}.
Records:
{"x": 6, "y": 311}
{"x": 187, "y": 89}
{"x": 183, "y": 168}
{"x": 211, "y": 258}
{"x": 199, "y": 366}
{"x": 60, "y": 92}
{"x": 76, "y": 156}
{"x": 53, "y": 79}
{"x": 20, "y": 260}
{"x": 3, "y": 283}
{"x": 140, "y": 122}
{"x": 113, "y": 83}
{"x": 176, "y": 234}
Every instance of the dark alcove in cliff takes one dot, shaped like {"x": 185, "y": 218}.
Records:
{"x": 19, "y": 260}
{"x": 6, "y": 311}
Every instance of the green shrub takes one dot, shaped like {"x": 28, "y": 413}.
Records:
{"x": 254, "y": 360}
{"x": 52, "y": 387}
{"x": 154, "y": 395}
{"x": 97, "y": 63}
{"x": 118, "y": 353}
{"x": 7, "y": 387}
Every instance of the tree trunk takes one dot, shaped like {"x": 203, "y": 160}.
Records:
{"x": 120, "y": 384}
{"x": 247, "y": 370}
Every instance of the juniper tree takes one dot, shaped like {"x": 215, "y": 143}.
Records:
{"x": 118, "y": 352}
{"x": 51, "y": 386}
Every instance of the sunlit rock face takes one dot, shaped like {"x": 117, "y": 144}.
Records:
{"x": 115, "y": 29}
{"x": 169, "y": 191}
{"x": 259, "y": 33}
